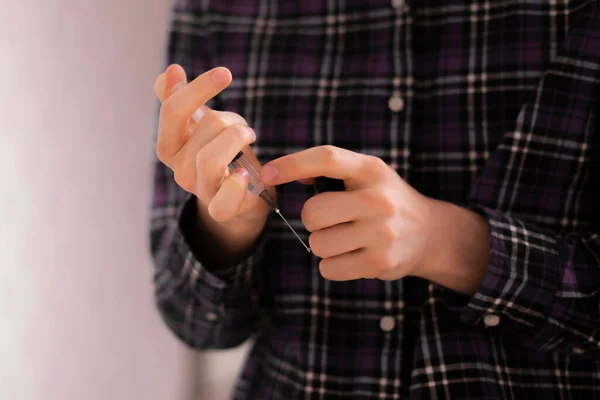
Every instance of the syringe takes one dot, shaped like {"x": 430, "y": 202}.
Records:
{"x": 256, "y": 187}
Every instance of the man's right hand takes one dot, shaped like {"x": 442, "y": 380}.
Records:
{"x": 199, "y": 152}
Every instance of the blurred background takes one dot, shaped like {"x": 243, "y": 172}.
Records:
{"x": 77, "y": 119}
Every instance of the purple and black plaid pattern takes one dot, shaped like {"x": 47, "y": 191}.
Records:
{"x": 494, "y": 107}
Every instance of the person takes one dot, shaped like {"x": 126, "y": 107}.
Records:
{"x": 462, "y": 258}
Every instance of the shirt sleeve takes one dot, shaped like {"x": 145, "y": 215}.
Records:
{"x": 537, "y": 192}
{"x": 540, "y": 288}
{"x": 205, "y": 307}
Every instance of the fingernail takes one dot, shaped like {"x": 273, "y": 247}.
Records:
{"x": 268, "y": 173}
{"x": 178, "y": 86}
{"x": 198, "y": 115}
{"x": 242, "y": 172}
{"x": 221, "y": 75}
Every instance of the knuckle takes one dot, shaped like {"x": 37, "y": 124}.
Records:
{"x": 205, "y": 161}
{"x": 169, "y": 108}
{"x": 185, "y": 181}
{"x": 376, "y": 165}
{"x": 377, "y": 200}
{"x": 211, "y": 123}
{"x": 207, "y": 169}
{"x": 246, "y": 133}
{"x": 386, "y": 204}
{"x": 331, "y": 154}
{"x": 381, "y": 262}
{"x": 388, "y": 231}
{"x": 366, "y": 197}
{"x": 241, "y": 133}
{"x": 228, "y": 118}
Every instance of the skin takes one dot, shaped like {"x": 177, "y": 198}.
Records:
{"x": 379, "y": 227}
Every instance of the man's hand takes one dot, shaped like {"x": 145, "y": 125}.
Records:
{"x": 198, "y": 146}
{"x": 381, "y": 227}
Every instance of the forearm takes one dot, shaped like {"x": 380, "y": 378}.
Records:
{"x": 460, "y": 248}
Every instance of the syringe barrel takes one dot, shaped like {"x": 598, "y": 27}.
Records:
{"x": 255, "y": 186}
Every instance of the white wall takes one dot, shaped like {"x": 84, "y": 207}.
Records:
{"x": 77, "y": 114}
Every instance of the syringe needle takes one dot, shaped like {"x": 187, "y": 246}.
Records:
{"x": 292, "y": 229}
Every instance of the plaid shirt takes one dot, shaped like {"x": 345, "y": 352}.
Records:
{"x": 492, "y": 105}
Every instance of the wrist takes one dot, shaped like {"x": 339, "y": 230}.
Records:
{"x": 235, "y": 231}
{"x": 224, "y": 243}
{"x": 457, "y": 255}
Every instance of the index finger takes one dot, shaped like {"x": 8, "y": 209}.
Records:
{"x": 329, "y": 161}
{"x": 177, "y": 109}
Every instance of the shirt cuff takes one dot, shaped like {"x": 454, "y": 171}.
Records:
{"x": 515, "y": 296}
{"x": 219, "y": 290}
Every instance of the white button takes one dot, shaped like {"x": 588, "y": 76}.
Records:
{"x": 397, "y": 3}
{"x": 211, "y": 316}
{"x": 387, "y": 323}
{"x": 577, "y": 350}
{"x": 491, "y": 320}
{"x": 396, "y": 103}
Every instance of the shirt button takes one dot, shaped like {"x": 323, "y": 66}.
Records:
{"x": 491, "y": 320}
{"x": 211, "y": 316}
{"x": 387, "y": 323}
{"x": 397, "y": 3}
{"x": 577, "y": 350}
{"x": 396, "y": 103}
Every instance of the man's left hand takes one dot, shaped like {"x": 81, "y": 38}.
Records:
{"x": 379, "y": 227}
